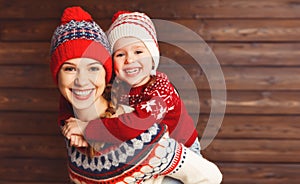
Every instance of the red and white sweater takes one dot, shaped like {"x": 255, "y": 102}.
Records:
{"x": 140, "y": 160}
{"x": 157, "y": 102}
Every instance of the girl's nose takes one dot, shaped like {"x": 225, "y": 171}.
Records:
{"x": 129, "y": 59}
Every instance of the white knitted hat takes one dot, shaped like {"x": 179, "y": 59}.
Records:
{"x": 138, "y": 25}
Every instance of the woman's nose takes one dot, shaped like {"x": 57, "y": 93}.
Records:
{"x": 81, "y": 79}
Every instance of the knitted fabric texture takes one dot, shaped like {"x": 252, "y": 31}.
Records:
{"x": 153, "y": 103}
{"x": 79, "y": 36}
{"x": 161, "y": 101}
{"x": 133, "y": 161}
{"x": 138, "y": 25}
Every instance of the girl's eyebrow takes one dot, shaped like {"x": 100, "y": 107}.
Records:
{"x": 139, "y": 47}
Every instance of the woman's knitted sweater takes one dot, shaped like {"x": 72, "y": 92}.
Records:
{"x": 133, "y": 161}
{"x": 141, "y": 160}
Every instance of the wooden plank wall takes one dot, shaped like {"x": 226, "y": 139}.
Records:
{"x": 257, "y": 43}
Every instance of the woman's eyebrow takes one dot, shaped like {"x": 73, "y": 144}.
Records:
{"x": 69, "y": 63}
{"x": 94, "y": 63}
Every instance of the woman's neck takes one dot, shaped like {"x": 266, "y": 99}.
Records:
{"x": 92, "y": 112}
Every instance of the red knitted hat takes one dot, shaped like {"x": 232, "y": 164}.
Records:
{"x": 79, "y": 36}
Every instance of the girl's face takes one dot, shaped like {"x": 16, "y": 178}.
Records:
{"x": 82, "y": 81}
{"x": 132, "y": 60}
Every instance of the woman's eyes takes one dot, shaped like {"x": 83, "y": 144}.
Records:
{"x": 69, "y": 69}
{"x": 94, "y": 69}
{"x": 74, "y": 69}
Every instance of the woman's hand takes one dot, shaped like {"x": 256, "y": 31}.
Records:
{"x": 73, "y": 126}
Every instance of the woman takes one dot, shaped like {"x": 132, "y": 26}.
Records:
{"x": 81, "y": 66}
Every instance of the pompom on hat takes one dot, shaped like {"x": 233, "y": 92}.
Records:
{"x": 78, "y": 36}
{"x": 138, "y": 25}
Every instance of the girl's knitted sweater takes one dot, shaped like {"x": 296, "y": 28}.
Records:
{"x": 157, "y": 102}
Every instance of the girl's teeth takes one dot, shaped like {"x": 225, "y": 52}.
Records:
{"x": 130, "y": 71}
{"x": 82, "y": 92}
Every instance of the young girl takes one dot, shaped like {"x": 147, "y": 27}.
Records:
{"x": 81, "y": 66}
{"x": 150, "y": 93}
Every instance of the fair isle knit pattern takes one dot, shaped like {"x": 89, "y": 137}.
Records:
{"x": 161, "y": 88}
{"x": 78, "y": 30}
{"x": 161, "y": 101}
{"x": 134, "y": 161}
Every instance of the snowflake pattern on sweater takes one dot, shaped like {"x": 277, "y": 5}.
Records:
{"x": 156, "y": 99}
{"x": 161, "y": 101}
{"x": 157, "y": 102}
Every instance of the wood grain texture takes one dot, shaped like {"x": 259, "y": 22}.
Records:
{"x": 33, "y": 146}
{"x": 253, "y": 173}
{"x": 33, "y": 170}
{"x": 29, "y": 123}
{"x": 255, "y": 43}
{"x": 227, "y": 54}
{"x": 267, "y": 127}
{"x": 253, "y": 150}
{"x": 192, "y": 9}
{"x": 215, "y": 30}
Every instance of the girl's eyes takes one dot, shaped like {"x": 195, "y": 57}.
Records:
{"x": 119, "y": 54}
{"x": 139, "y": 52}
{"x": 123, "y": 54}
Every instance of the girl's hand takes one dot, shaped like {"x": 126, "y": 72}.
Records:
{"x": 78, "y": 141}
{"x": 121, "y": 109}
{"x": 73, "y": 126}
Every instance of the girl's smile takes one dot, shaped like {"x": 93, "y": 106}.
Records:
{"x": 133, "y": 61}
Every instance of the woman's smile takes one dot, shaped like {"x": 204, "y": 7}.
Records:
{"x": 82, "y": 94}
{"x": 82, "y": 82}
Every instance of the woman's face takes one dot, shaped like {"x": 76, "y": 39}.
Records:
{"x": 81, "y": 81}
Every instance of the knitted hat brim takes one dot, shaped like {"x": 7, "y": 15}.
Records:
{"x": 84, "y": 49}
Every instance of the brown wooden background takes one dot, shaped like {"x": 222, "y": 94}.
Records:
{"x": 257, "y": 43}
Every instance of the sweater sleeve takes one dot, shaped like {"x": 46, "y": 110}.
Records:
{"x": 181, "y": 126}
{"x": 115, "y": 130}
{"x": 130, "y": 125}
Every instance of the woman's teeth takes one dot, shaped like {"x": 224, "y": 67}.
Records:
{"x": 82, "y": 92}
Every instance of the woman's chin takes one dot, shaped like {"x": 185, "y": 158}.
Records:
{"x": 81, "y": 105}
